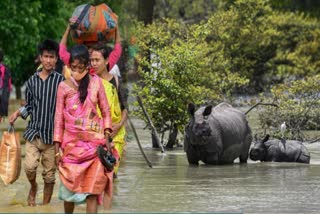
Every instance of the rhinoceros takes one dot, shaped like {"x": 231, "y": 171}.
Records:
{"x": 279, "y": 150}
{"x": 217, "y": 135}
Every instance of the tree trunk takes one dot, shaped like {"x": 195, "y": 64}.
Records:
{"x": 145, "y": 11}
{"x": 145, "y": 14}
{"x": 172, "y": 137}
{"x": 18, "y": 92}
{"x": 154, "y": 141}
{"x": 308, "y": 4}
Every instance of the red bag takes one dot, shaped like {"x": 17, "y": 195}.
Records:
{"x": 93, "y": 24}
{"x": 10, "y": 157}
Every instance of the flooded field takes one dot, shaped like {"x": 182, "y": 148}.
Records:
{"x": 174, "y": 186}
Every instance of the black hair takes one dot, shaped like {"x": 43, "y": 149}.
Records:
{"x": 1, "y": 55}
{"x": 59, "y": 66}
{"x": 50, "y": 46}
{"x": 81, "y": 53}
{"x": 103, "y": 49}
{"x": 83, "y": 87}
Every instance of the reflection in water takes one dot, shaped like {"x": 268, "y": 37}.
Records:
{"x": 174, "y": 186}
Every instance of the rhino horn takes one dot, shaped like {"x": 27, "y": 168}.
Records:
{"x": 191, "y": 109}
{"x": 207, "y": 111}
{"x": 266, "y": 138}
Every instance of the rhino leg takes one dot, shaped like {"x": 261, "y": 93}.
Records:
{"x": 243, "y": 159}
{"x": 245, "y": 149}
{"x": 244, "y": 156}
{"x": 211, "y": 158}
{"x": 192, "y": 155}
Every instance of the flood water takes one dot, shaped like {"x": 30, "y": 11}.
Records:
{"x": 174, "y": 186}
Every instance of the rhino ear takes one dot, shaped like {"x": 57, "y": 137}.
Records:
{"x": 191, "y": 109}
{"x": 207, "y": 111}
{"x": 266, "y": 138}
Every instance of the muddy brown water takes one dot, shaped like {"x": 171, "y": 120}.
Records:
{"x": 174, "y": 186}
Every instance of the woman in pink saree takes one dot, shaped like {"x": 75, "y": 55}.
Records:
{"x": 78, "y": 132}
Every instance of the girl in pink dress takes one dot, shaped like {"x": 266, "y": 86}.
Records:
{"x": 78, "y": 131}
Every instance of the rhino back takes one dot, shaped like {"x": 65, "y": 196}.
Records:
{"x": 286, "y": 150}
{"x": 232, "y": 123}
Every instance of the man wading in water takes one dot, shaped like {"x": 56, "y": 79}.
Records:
{"x": 41, "y": 91}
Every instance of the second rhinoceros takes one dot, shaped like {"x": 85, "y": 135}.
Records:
{"x": 279, "y": 150}
{"x": 217, "y": 135}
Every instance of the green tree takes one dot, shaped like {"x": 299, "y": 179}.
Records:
{"x": 115, "y": 5}
{"x": 188, "y": 11}
{"x": 181, "y": 72}
{"x": 264, "y": 45}
{"x": 19, "y": 36}
{"x": 245, "y": 36}
{"x": 298, "y": 46}
{"x": 23, "y": 25}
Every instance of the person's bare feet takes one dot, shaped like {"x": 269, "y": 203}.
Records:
{"x": 32, "y": 195}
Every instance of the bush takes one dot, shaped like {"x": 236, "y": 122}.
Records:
{"x": 299, "y": 107}
{"x": 179, "y": 72}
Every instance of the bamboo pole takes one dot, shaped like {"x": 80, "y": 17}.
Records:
{"x": 139, "y": 144}
{"x": 153, "y": 129}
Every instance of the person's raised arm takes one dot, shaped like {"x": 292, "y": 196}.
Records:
{"x": 117, "y": 50}
{"x": 118, "y": 38}
{"x": 64, "y": 39}
{"x": 63, "y": 52}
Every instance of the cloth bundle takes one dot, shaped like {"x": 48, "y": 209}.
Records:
{"x": 93, "y": 24}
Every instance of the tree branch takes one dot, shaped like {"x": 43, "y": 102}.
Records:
{"x": 313, "y": 141}
{"x": 153, "y": 129}
{"x": 260, "y": 103}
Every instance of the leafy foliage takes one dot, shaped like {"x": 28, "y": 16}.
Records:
{"x": 264, "y": 45}
{"x": 248, "y": 46}
{"x": 179, "y": 71}
{"x": 19, "y": 35}
{"x": 188, "y": 11}
{"x": 23, "y": 25}
{"x": 298, "y": 106}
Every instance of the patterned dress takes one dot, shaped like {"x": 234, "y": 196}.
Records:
{"x": 80, "y": 130}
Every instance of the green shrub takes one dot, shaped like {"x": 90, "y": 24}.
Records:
{"x": 299, "y": 107}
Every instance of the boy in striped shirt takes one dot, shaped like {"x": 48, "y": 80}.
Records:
{"x": 41, "y": 91}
